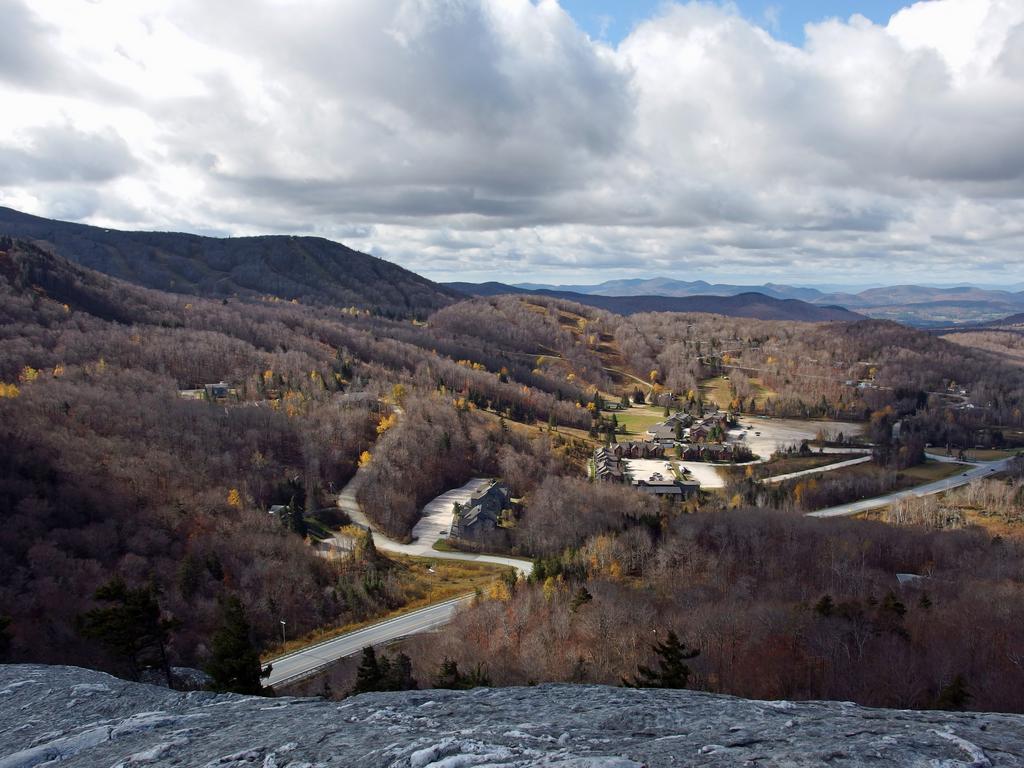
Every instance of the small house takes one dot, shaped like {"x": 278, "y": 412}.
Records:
{"x": 218, "y": 391}
{"x": 677, "y": 489}
{"x": 664, "y": 432}
{"x": 482, "y": 512}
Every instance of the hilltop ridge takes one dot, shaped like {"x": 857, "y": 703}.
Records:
{"x": 311, "y": 270}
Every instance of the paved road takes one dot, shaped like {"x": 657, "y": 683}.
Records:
{"x": 436, "y": 518}
{"x": 301, "y": 664}
{"x": 971, "y": 472}
{"x": 817, "y": 470}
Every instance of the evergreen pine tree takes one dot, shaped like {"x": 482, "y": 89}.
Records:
{"x": 399, "y": 676}
{"x": 190, "y": 576}
{"x": 955, "y": 695}
{"x": 235, "y": 663}
{"x": 449, "y": 677}
{"x": 368, "y": 675}
{"x": 672, "y": 672}
{"x": 825, "y": 606}
{"x": 579, "y": 671}
{"x": 130, "y": 626}
{"x": 581, "y": 597}
{"x": 892, "y": 604}
{"x": 294, "y": 517}
{"x": 297, "y": 523}
{"x": 383, "y": 674}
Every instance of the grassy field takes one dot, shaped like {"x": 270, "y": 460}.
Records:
{"x": 784, "y": 465}
{"x": 996, "y": 526}
{"x": 719, "y": 390}
{"x": 929, "y": 472}
{"x": 639, "y": 419}
{"x": 903, "y": 480}
{"x": 982, "y": 454}
{"x": 424, "y": 580}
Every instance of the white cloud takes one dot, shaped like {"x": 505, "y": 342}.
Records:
{"x": 484, "y": 138}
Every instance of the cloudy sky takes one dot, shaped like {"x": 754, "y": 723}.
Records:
{"x": 537, "y": 141}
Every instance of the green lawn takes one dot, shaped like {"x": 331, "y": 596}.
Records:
{"x": 638, "y": 419}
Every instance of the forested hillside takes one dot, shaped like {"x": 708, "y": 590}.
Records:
{"x": 779, "y": 607}
{"x": 119, "y": 463}
{"x": 838, "y": 370}
{"x": 112, "y": 467}
{"x": 311, "y": 270}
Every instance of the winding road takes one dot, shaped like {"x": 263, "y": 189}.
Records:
{"x": 436, "y": 522}
{"x": 975, "y": 472}
{"x": 433, "y": 525}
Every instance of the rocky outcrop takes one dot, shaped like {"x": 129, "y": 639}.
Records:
{"x": 80, "y": 717}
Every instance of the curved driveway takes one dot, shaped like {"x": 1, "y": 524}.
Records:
{"x": 436, "y": 519}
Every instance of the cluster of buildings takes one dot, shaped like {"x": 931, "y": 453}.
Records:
{"x": 713, "y": 437}
{"x": 684, "y": 428}
{"x": 608, "y": 461}
{"x": 614, "y": 464}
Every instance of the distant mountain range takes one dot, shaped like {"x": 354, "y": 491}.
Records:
{"x": 749, "y": 304}
{"x": 911, "y": 304}
{"x": 666, "y": 286}
{"x": 307, "y": 269}
{"x": 314, "y": 270}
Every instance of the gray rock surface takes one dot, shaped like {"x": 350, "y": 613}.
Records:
{"x": 77, "y": 717}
